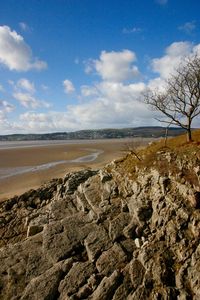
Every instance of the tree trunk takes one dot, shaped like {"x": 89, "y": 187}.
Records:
{"x": 189, "y": 135}
{"x": 189, "y": 132}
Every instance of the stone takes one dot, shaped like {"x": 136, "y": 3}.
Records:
{"x": 32, "y": 230}
{"x": 96, "y": 242}
{"x": 76, "y": 278}
{"x": 73, "y": 180}
{"x": 117, "y": 225}
{"x": 93, "y": 194}
{"x": 121, "y": 293}
{"x": 136, "y": 271}
{"x": 104, "y": 176}
{"x": 81, "y": 202}
{"x": 113, "y": 234}
{"x": 106, "y": 288}
{"x": 128, "y": 245}
{"x": 129, "y": 230}
{"x": 44, "y": 286}
{"x": 110, "y": 260}
{"x": 60, "y": 239}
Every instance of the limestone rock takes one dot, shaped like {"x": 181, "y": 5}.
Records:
{"x": 96, "y": 242}
{"x": 44, "y": 286}
{"x": 110, "y": 260}
{"x": 106, "y": 288}
{"x": 76, "y": 278}
{"x": 106, "y": 234}
{"x": 117, "y": 225}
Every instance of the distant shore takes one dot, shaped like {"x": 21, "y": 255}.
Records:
{"x": 26, "y": 165}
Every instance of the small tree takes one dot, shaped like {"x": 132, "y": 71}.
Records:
{"x": 180, "y": 100}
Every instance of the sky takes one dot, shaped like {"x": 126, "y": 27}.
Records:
{"x": 68, "y": 65}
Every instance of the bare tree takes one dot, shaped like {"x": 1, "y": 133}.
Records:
{"x": 133, "y": 146}
{"x": 180, "y": 100}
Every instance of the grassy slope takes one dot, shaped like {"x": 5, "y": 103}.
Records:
{"x": 178, "y": 158}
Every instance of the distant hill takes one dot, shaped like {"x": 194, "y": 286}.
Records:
{"x": 96, "y": 134}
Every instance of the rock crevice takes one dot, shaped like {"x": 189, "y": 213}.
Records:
{"x": 100, "y": 235}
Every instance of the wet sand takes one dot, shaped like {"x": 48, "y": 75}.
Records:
{"x": 63, "y": 157}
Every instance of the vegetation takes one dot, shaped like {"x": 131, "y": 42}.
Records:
{"x": 180, "y": 100}
{"x": 95, "y": 134}
{"x": 176, "y": 159}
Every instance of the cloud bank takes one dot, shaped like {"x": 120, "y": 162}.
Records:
{"x": 15, "y": 54}
{"x": 114, "y": 100}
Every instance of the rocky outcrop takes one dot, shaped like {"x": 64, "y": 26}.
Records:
{"x": 101, "y": 235}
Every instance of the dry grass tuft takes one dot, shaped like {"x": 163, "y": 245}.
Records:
{"x": 177, "y": 158}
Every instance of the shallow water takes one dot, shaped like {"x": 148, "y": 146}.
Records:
{"x": 28, "y": 144}
{"x": 9, "y": 172}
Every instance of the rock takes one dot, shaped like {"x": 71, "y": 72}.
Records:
{"x": 104, "y": 176}
{"x": 73, "y": 180}
{"x": 81, "y": 202}
{"x": 110, "y": 260}
{"x": 60, "y": 239}
{"x": 136, "y": 271}
{"x": 44, "y": 286}
{"x": 117, "y": 225}
{"x": 32, "y": 230}
{"x": 110, "y": 234}
{"x": 144, "y": 213}
{"x": 129, "y": 230}
{"x": 121, "y": 293}
{"x": 138, "y": 243}
{"x": 77, "y": 277}
{"x": 92, "y": 192}
{"x": 197, "y": 200}
{"x": 128, "y": 245}
{"x": 106, "y": 288}
{"x": 96, "y": 242}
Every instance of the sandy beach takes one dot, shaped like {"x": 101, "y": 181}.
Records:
{"x": 26, "y": 155}
{"x": 27, "y": 165}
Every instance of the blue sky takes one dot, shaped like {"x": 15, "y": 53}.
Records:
{"x": 76, "y": 64}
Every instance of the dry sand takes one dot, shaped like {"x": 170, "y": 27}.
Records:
{"x": 38, "y": 155}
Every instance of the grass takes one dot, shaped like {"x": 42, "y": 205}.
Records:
{"x": 177, "y": 158}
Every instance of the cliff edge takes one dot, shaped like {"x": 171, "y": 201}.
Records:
{"x": 128, "y": 231}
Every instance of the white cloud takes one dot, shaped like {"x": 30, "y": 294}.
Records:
{"x": 89, "y": 65}
{"x": 2, "y": 117}
{"x": 88, "y": 91}
{"x": 188, "y": 27}
{"x": 46, "y": 122}
{"x": 107, "y": 103}
{"x": 158, "y": 84}
{"x": 24, "y": 26}
{"x": 115, "y": 104}
{"x": 68, "y": 86}
{"x": 5, "y": 125}
{"x": 29, "y": 101}
{"x": 26, "y": 85}
{"x": 6, "y": 107}
{"x": 15, "y": 54}
{"x": 174, "y": 54}
{"x": 116, "y": 66}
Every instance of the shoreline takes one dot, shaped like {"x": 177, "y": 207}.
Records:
{"x": 10, "y": 172}
{"x": 73, "y": 157}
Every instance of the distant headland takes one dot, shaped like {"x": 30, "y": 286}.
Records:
{"x": 148, "y": 131}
